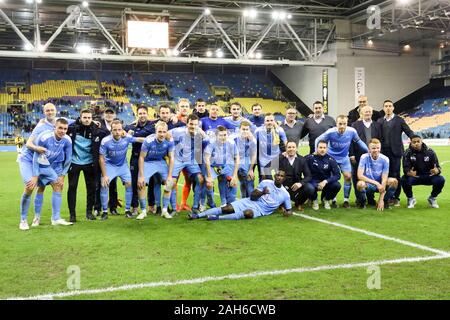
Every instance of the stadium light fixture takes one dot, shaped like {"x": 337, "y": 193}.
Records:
{"x": 207, "y": 12}
{"x": 251, "y": 13}
{"x": 275, "y": 15}
{"x": 442, "y": 31}
{"x": 29, "y": 1}
{"x": 153, "y": 51}
{"x": 104, "y": 50}
{"x": 38, "y": 1}
{"x": 258, "y": 55}
{"x": 85, "y": 4}
{"x": 283, "y": 15}
{"x": 219, "y": 53}
{"x": 404, "y": 2}
{"x": 175, "y": 52}
{"x": 28, "y": 47}
{"x": 251, "y": 55}
{"x": 406, "y": 47}
{"x": 289, "y": 16}
{"x": 84, "y": 49}
{"x": 370, "y": 43}
{"x": 209, "y": 53}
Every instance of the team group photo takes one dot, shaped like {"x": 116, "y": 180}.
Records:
{"x": 191, "y": 158}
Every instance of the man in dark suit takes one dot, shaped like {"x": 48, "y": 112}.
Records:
{"x": 298, "y": 175}
{"x": 354, "y": 114}
{"x": 392, "y": 128}
{"x": 367, "y": 129}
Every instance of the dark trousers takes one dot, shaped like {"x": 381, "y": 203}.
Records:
{"x": 301, "y": 195}
{"x": 436, "y": 181}
{"x": 89, "y": 179}
{"x": 329, "y": 192}
{"x": 312, "y": 149}
{"x": 394, "y": 169}
{"x": 134, "y": 169}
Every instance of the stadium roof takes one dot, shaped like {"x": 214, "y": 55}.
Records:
{"x": 301, "y": 33}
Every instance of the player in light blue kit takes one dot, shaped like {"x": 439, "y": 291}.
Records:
{"x": 113, "y": 155}
{"x": 222, "y": 162}
{"x": 373, "y": 171}
{"x": 271, "y": 141}
{"x": 264, "y": 200}
{"x": 49, "y": 167}
{"x": 152, "y": 161}
{"x": 246, "y": 144}
{"x": 236, "y": 119}
{"x": 189, "y": 143}
{"x": 339, "y": 139}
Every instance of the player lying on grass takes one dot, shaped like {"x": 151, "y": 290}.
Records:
{"x": 264, "y": 200}
{"x": 152, "y": 162}
{"x": 113, "y": 156}
{"x": 50, "y": 167}
{"x": 421, "y": 167}
{"x": 373, "y": 171}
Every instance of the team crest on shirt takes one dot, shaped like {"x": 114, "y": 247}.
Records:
{"x": 427, "y": 158}
{"x": 325, "y": 166}
{"x": 413, "y": 158}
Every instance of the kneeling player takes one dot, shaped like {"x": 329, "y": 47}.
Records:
{"x": 325, "y": 175}
{"x": 113, "y": 155}
{"x": 47, "y": 168}
{"x": 373, "y": 173}
{"x": 151, "y": 161}
{"x": 264, "y": 200}
{"x": 421, "y": 167}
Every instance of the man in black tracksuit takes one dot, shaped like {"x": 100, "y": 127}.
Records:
{"x": 86, "y": 137}
{"x": 325, "y": 175}
{"x": 141, "y": 128}
{"x": 298, "y": 175}
{"x": 421, "y": 167}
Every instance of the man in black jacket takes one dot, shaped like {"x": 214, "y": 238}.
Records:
{"x": 421, "y": 167}
{"x": 354, "y": 114}
{"x": 392, "y": 128}
{"x": 86, "y": 137}
{"x": 367, "y": 129}
{"x": 298, "y": 175}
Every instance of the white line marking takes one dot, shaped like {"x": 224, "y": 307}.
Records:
{"x": 373, "y": 234}
{"x": 228, "y": 277}
{"x": 444, "y": 162}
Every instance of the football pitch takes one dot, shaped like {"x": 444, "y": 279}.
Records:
{"x": 337, "y": 254}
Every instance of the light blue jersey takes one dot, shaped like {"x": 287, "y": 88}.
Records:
{"x": 115, "y": 151}
{"x": 57, "y": 156}
{"x": 268, "y": 148}
{"x": 222, "y": 157}
{"x": 188, "y": 148}
{"x": 268, "y": 203}
{"x": 156, "y": 150}
{"x": 247, "y": 149}
{"x": 374, "y": 169}
{"x": 339, "y": 144}
{"x": 236, "y": 125}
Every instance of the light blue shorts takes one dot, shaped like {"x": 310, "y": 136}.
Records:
{"x": 225, "y": 171}
{"x": 47, "y": 174}
{"x": 190, "y": 167}
{"x": 123, "y": 172}
{"x": 243, "y": 204}
{"x": 26, "y": 170}
{"x": 153, "y": 167}
{"x": 344, "y": 164}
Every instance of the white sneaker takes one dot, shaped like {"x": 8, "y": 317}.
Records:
{"x": 326, "y": 204}
{"x": 36, "y": 222}
{"x": 202, "y": 208}
{"x": 433, "y": 203}
{"x": 411, "y": 203}
{"x": 315, "y": 205}
{"x": 141, "y": 216}
{"x": 61, "y": 222}
{"x": 166, "y": 215}
{"x": 95, "y": 213}
{"x": 24, "y": 225}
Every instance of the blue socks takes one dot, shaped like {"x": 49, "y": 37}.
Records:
{"x": 104, "y": 198}
{"x": 232, "y": 216}
{"x": 38, "y": 201}
{"x": 210, "y": 212}
{"x": 143, "y": 203}
{"x": 56, "y": 205}
{"x": 24, "y": 206}
{"x": 165, "y": 202}
{"x": 128, "y": 198}
{"x": 347, "y": 189}
{"x": 173, "y": 199}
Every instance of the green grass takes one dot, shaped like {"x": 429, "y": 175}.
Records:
{"x": 120, "y": 251}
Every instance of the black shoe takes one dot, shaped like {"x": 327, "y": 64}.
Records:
{"x": 113, "y": 212}
{"x": 372, "y": 203}
{"x": 73, "y": 218}
{"x": 334, "y": 204}
{"x": 169, "y": 210}
{"x": 195, "y": 210}
{"x": 104, "y": 216}
{"x": 90, "y": 216}
{"x": 346, "y": 204}
{"x": 361, "y": 205}
{"x": 128, "y": 214}
{"x": 158, "y": 211}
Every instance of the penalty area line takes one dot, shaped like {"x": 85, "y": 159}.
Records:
{"x": 256, "y": 274}
{"x": 373, "y": 234}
